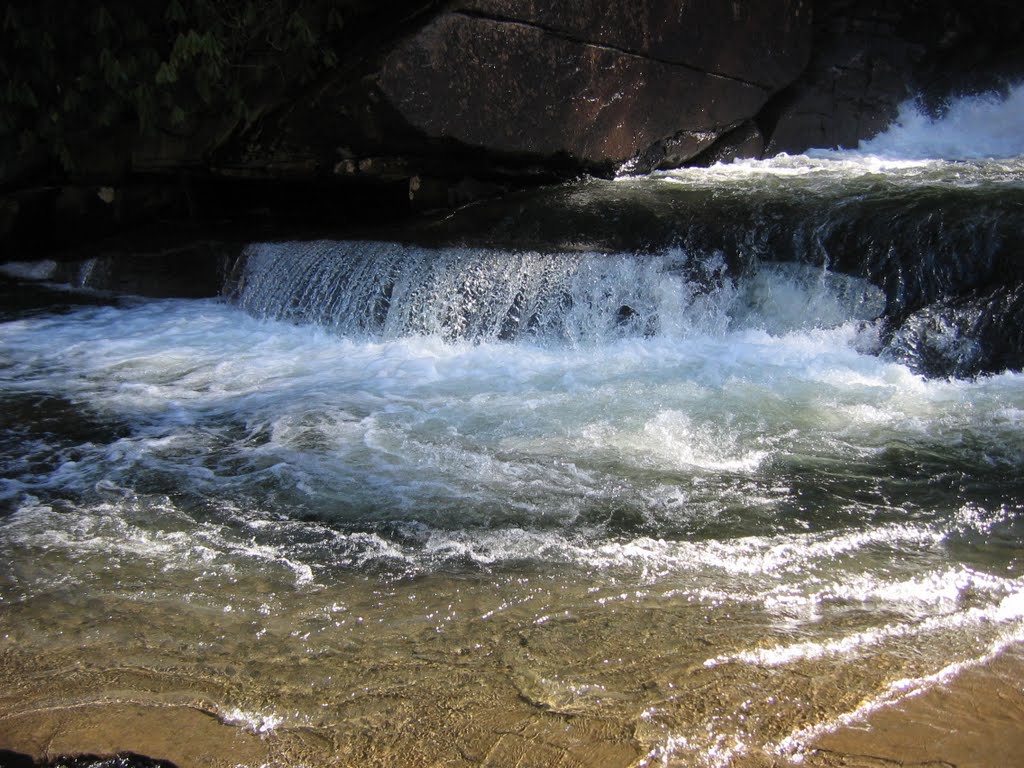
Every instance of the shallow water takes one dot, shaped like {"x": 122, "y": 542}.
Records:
{"x": 683, "y": 517}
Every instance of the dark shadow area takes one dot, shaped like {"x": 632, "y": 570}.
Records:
{"x": 10, "y": 759}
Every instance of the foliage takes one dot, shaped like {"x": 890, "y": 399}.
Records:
{"x": 71, "y": 68}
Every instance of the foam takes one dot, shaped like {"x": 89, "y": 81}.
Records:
{"x": 982, "y": 126}
{"x": 973, "y": 141}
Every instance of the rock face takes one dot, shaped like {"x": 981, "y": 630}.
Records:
{"x": 857, "y": 78}
{"x": 123, "y": 760}
{"x": 764, "y": 43}
{"x": 870, "y": 55}
{"x": 420, "y": 104}
{"x": 599, "y": 82}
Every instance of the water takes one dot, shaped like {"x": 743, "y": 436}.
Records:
{"x": 385, "y": 504}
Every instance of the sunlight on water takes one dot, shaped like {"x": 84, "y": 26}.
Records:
{"x": 385, "y": 504}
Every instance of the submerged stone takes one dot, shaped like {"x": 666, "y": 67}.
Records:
{"x": 10, "y": 759}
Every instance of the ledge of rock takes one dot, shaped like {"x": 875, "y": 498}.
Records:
{"x": 518, "y": 88}
{"x": 422, "y": 105}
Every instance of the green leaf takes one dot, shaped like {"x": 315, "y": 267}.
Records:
{"x": 335, "y": 21}
{"x": 300, "y": 29}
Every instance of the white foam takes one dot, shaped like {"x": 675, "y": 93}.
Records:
{"x": 494, "y": 454}
{"x": 975, "y": 140}
{"x": 257, "y": 722}
{"x": 989, "y": 125}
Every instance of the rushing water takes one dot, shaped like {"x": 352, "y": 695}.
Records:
{"x": 387, "y": 504}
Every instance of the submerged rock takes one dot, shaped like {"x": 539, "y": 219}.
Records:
{"x": 120, "y": 760}
{"x": 977, "y": 334}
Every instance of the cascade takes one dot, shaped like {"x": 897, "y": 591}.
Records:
{"x": 712, "y": 467}
{"x": 930, "y": 213}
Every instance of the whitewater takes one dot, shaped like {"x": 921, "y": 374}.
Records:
{"x": 398, "y": 504}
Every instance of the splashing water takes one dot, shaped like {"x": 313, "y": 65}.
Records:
{"x": 984, "y": 126}
{"x": 386, "y": 504}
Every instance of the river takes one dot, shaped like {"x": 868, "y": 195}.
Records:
{"x": 389, "y": 504}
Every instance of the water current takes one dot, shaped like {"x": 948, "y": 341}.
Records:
{"x": 386, "y": 504}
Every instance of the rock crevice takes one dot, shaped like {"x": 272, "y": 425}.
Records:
{"x": 569, "y": 38}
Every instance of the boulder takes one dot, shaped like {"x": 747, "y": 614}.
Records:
{"x": 10, "y": 759}
{"x": 868, "y": 56}
{"x": 596, "y": 81}
{"x": 743, "y": 143}
{"x": 476, "y": 98}
{"x": 856, "y": 79}
{"x": 766, "y": 43}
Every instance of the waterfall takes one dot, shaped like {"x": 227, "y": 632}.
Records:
{"x": 384, "y": 290}
{"x": 921, "y": 228}
{"x": 652, "y": 457}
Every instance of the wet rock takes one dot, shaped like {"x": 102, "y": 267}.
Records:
{"x": 764, "y": 43}
{"x": 966, "y": 336}
{"x": 10, "y": 759}
{"x": 542, "y": 95}
{"x": 743, "y": 143}
{"x": 870, "y": 55}
{"x": 673, "y": 152}
{"x": 858, "y": 75}
{"x": 510, "y": 94}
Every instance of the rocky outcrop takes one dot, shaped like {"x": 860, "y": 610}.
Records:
{"x": 870, "y": 55}
{"x": 763, "y": 43}
{"x": 423, "y": 104}
{"x": 518, "y": 89}
{"x": 598, "y": 82}
{"x": 857, "y": 78}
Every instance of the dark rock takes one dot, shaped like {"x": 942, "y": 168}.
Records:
{"x": 857, "y": 77}
{"x": 121, "y": 760}
{"x": 508, "y": 93}
{"x": 428, "y": 193}
{"x": 519, "y": 89}
{"x": 9, "y": 210}
{"x": 765, "y": 43}
{"x": 969, "y": 47}
{"x": 966, "y": 336}
{"x": 743, "y": 143}
{"x": 10, "y": 759}
{"x": 673, "y": 152}
{"x": 871, "y": 55}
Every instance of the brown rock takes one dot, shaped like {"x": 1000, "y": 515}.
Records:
{"x": 766, "y": 43}
{"x": 516, "y": 88}
{"x": 743, "y": 143}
